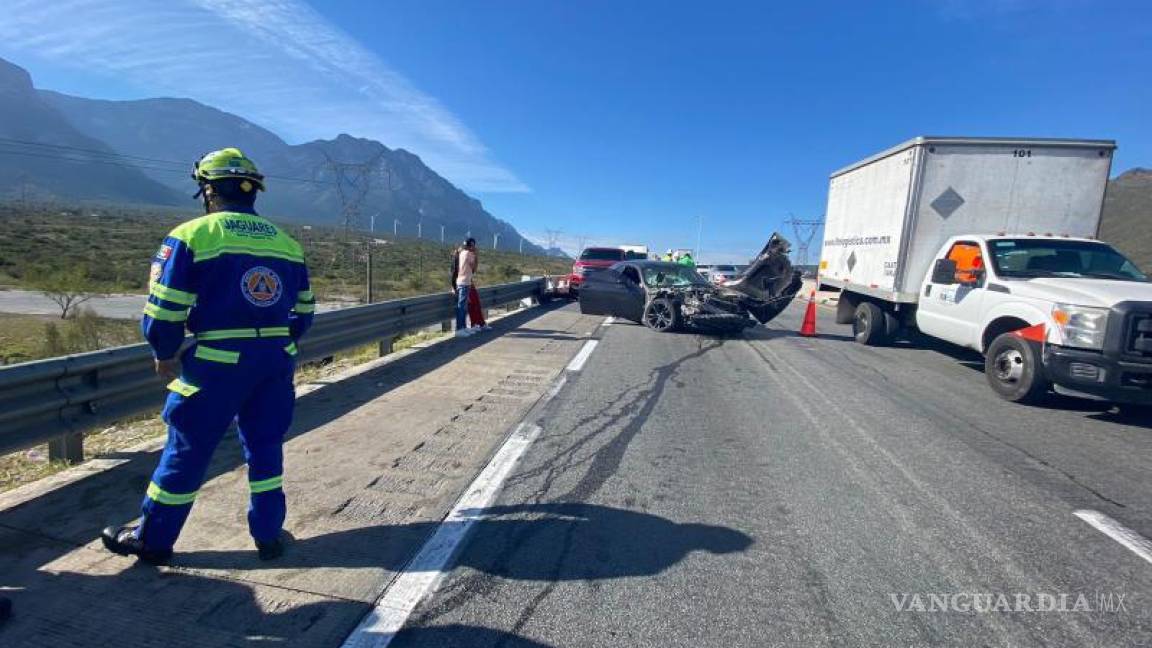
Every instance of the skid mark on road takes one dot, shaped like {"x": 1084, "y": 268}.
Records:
{"x": 614, "y": 426}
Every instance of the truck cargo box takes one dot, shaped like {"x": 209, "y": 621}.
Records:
{"x": 888, "y": 215}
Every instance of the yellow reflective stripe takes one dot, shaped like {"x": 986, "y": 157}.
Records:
{"x": 227, "y": 334}
{"x": 161, "y": 291}
{"x": 182, "y": 388}
{"x": 217, "y": 355}
{"x": 305, "y": 296}
{"x": 239, "y": 334}
{"x": 212, "y": 253}
{"x": 266, "y": 485}
{"x": 164, "y": 314}
{"x": 305, "y": 308}
{"x": 291, "y": 348}
{"x": 172, "y": 499}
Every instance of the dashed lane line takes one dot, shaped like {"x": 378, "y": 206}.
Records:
{"x": 582, "y": 356}
{"x": 1131, "y": 540}
{"x": 423, "y": 574}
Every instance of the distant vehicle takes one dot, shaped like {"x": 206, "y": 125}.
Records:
{"x": 989, "y": 244}
{"x": 665, "y": 296}
{"x": 718, "y": 274}
{"x": 592, "y": 260}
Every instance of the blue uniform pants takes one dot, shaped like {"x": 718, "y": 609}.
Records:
{"x": 257, "y": 392}
{"x": 461, "y": 306}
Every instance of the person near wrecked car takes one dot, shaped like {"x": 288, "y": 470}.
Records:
{"x": 686, "y": 260}
{"x": 239, "y": 284}
{"x": 464, "y": 264}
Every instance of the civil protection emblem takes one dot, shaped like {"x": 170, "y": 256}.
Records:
{"x": 262, "y": 286}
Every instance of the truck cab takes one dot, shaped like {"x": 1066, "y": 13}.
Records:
{"x": 1062, "y": 312}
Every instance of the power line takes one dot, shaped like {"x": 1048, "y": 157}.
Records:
{"x": 112, "y": 158}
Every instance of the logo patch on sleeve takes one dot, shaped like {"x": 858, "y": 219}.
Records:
{"x": 155, "y": 273}
{"x": 164, "y": 253}
{"x": 262, "y": 286}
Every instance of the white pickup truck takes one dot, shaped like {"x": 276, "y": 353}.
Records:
{"x": 989, "y": 244}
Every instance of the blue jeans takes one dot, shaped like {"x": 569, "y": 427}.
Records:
{"x": 461, "y": 306}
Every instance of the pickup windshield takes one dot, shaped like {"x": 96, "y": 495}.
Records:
{"x": 1030, "y": 258}
{"x": 671, "y": 274}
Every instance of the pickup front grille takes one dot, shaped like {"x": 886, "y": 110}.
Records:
{"x": 1139, "y": 335}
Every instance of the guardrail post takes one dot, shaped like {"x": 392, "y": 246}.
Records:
{"x": 69, "y": 447}
{"x": 446, "y": 326}
{"x": 528, "y": 302}
{"x": 386, "y": 346}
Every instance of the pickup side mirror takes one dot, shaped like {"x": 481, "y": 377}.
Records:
{"x": 944, "y": 272}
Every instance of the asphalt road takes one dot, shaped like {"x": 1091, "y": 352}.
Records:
{"x": 773, "y": 490}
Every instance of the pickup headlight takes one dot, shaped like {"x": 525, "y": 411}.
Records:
{"x": 1081, "y": 326}
{"x": 578, "y": 271}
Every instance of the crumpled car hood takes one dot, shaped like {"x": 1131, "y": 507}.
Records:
{"x": 770, "y": 281}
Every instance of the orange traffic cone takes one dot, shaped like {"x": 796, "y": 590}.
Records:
{"x": 808, "y": 327}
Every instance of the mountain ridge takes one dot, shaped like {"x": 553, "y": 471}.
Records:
{"x": 157, "y": 134}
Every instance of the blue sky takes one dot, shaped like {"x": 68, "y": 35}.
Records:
{"x": 622, "y": 120}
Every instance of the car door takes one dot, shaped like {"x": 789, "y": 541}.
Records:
{"x": 594, "y": 292}
{"x": 629, "y": 302}
{"x": 952, "y": 311}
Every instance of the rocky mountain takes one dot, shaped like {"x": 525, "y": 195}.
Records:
{"x": 42, "y": 155}
{"x": 1127, "y": 220}
{"x": 305, "y": 184}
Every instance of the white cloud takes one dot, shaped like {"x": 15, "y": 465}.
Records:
{"x": 277, "y": 62}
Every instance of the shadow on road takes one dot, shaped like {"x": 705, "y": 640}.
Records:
{"x": 537, "y": 542}
{"x": 461, "y": 636}
{"x": 144, "y": 606}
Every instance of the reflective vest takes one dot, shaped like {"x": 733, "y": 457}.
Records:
{"x": 227, "y": 276}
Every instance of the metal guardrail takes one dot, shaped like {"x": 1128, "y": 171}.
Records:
{"x": 54, "y": 401}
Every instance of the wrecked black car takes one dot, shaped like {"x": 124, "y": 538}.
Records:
{"x": 665, "y": 296}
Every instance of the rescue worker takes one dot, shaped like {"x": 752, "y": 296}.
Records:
{"x": 668, "y": 256}
{"x": 687, "y": 260}
{"x": 239, "y": 284}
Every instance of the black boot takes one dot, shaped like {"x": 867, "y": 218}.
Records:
{"x": 123, "y": 541}
{"x": 270, "y": 550}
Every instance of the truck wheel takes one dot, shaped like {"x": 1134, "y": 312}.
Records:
{"x": 1012, "y": 366}
{"x": 871, "y": 325}
{"x": 661, "y": 314}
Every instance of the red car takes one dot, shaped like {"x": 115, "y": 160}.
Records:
{"x": 593, "y": 259}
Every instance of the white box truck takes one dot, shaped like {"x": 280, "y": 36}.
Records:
{"x": 989, "y": 243}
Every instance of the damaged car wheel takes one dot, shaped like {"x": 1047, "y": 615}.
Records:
{"x": 661, "y": 314}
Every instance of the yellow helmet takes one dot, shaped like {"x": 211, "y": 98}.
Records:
{"x": 227, "y": 163}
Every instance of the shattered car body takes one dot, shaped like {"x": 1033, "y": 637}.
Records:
{"x": 665, "y": 296}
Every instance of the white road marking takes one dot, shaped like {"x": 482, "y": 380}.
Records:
{"x": 1135, "y": 542}
{"x": 609, "y": 321}
{"x": 578, "y": 362}
{"x": 555, "y": 389}
{"x": 421, "y": 576}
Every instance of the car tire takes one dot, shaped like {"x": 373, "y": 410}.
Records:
{"x": 662, "y": 314}
{"x": 870, "y": 325}
{"x": 1014, "y": 371}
